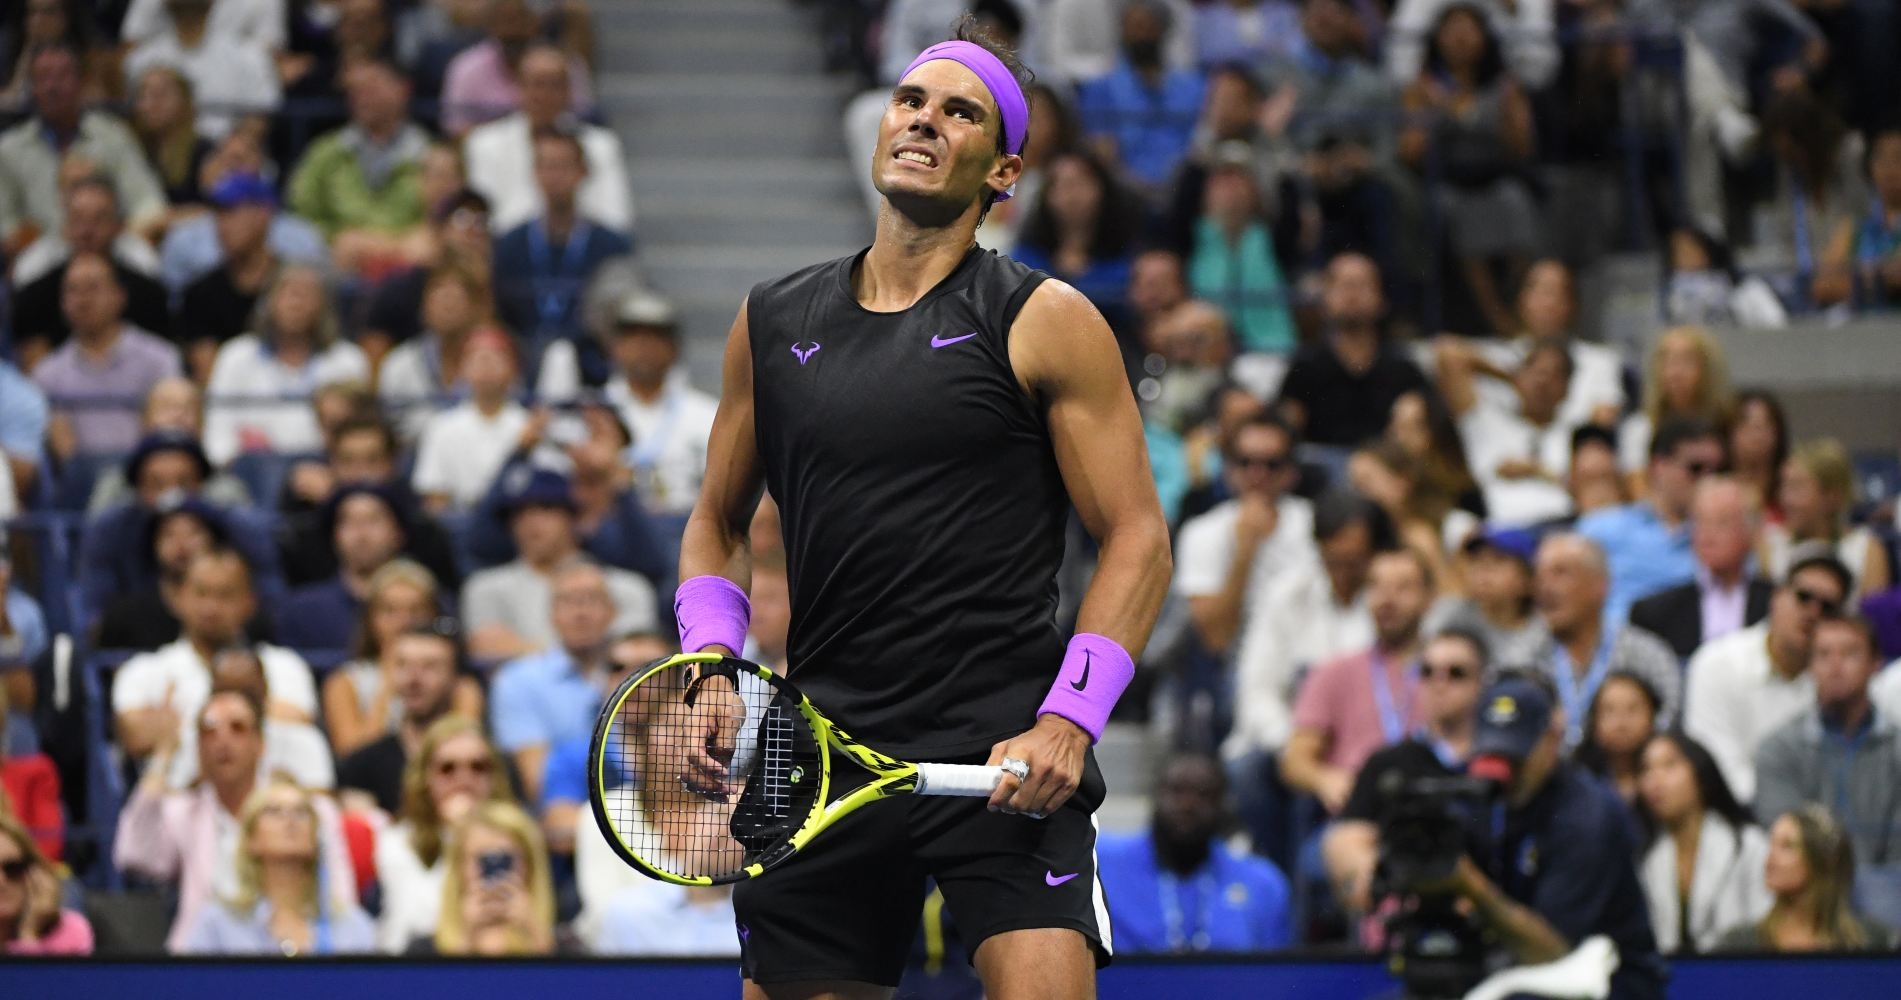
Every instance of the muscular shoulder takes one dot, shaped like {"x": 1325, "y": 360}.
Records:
{"x": 1056, "y": 328}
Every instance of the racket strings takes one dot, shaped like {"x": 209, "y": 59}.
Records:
{"x": 711, "y": 787}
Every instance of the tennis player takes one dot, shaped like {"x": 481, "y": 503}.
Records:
{"x": 926, "y": 413}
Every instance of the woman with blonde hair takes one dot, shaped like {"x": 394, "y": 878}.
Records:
{"x": 1817, "y": 486}
{"x": 455, "y": 770}
{"x": 165, "y": 117}
{"x": 31, "y": 919}
{"x": 498, "y": 895}
{"x": 279, "y": 907}
{"x": 1811, "y": 873}
{"x": 359, "y": 698}
{"x": 1686, "y": 377}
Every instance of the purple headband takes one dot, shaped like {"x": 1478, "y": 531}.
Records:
{"x": 995, "y": 76}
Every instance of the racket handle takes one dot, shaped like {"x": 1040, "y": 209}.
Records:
{"x": 977, "y": 780}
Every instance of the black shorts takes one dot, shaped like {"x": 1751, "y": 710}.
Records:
{"x": 847, "y": 907}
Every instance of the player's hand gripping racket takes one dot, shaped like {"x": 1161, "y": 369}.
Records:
{"x": 708, "y": 769}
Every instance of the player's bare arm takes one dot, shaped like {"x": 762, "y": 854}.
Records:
{"x": 1066, "y": 357}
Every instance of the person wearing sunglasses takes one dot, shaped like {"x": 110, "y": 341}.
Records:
{"x": 1648, "y": 542}
{"x": 1451, "y": 671}
{"x": 190, "y": 837}
{"x": 1745, "y": 685}
{"x": 454, "y": 770}
{"x": 1844, "y": 754}
{"x": 31, "y": 920}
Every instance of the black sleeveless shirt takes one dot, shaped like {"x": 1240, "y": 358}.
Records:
{"x": 921, "y": 502}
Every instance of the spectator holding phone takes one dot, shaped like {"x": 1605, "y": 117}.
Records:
{"x": 455, "y": 769}
{"x": 497, "y": 895}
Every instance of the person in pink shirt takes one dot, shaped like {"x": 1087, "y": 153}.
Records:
{"x": 31, "y": 920}
{"x": 483, "y": 83}
{"x": 1352, "y": 706}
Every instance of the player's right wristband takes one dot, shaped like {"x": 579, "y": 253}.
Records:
{"x": 1096, "y": 670}
{"x": 711, "y": 611}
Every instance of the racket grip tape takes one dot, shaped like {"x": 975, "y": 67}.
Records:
{"x": 957, "y": 779}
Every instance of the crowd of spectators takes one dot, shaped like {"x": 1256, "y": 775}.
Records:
{"x": 340, "y": 436}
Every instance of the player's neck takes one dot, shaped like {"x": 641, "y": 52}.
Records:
{"x": 908, "y": 258}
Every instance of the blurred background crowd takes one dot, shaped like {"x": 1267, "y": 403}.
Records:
{"x": 349, "y": 429}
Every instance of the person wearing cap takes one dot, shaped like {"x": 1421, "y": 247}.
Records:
{"x": 1452, "y": 671}
{"x": 166, "y": 469}
{"x": 192, "y": 248}
{"x": 173, "y": 406}
{"x": 221, "y": 303}
{"x": 232, "y": 77}
{"x": 1498, "y": 601}
{"x": 263, "y": 381}
{"x": 1579, "y": 644}
{"x": 669, "y": 417}
{"x": 367, "y": 529}
{"x": 502, "y": 153}
{"x": 1562, "y": 862}
{"x": 1747, "y": 684}
{"x": 1725, "y": 597}
{"x": 1843, "y": 753}
{"x": 97, "y": 379}
{"x": 461, "y": 448}
{"x": 506, "y": 607}
{"x": 92, "y": 224}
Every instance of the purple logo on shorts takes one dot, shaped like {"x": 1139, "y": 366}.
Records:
{"x": 804, "y": 354}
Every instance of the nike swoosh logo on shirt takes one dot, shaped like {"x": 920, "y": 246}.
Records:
{"x": 940, "y": 341}
{"x": 1052, "y": 878}
{"x": 1082, "y": 682}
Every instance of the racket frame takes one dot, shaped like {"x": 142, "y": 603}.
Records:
{"x": 890, "y": 776}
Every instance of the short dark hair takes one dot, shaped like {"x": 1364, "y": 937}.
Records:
{"x": 247, "y": 695}
{"x": 567, "y": 138}
{"x": 366, "y": 425}
{"x": 1679, "y": 431}
{"x": 1273, "y": 422}
{"x": 95, "y": 182}
{"x": 1341, "y": 509}
{"x": 1593, "y": 434}
{"x": 1471, "y": 637}
{"x": 1417, "y": 558}
{"x": 1242, "y": 72}
{"x": 1860, "y": 623}
{"x": 1553, "y": 346}
{"x": 1825, "y": 560}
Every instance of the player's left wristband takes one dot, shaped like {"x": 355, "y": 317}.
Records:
{"x": 1096, "y": 670}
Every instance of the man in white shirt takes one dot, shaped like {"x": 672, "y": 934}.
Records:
{"x": 462, "y": 448}
{"x": 1519, "y": 455}
{"x": 259, "y": 21}
{"x": 1745, "y": 685}
{"x": 670, "y": 419}
{"x": 231, "y": 76}
{"x": 162, "y": 691}
{"x": 500, "y": 154}
{"x": 1227, "y": 560}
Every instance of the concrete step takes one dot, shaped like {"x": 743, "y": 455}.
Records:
{"x": 729, "y": 271}
{"x": 636, "y": 47}
{"x": 737, "y": 134}
{"x": 725, "y": 91}
{"x": 737, "y": 16}
{"x": 813, "y": 180}
{"x": 752, "y": 221}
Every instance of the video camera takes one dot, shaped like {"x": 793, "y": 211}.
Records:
{"x": 1432, "y": 948}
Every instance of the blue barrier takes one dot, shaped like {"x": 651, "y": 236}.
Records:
{"x": 1837, "y": 977}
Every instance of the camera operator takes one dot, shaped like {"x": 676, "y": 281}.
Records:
{"x": 1563, "y": 864}
{"x": 1451, "y": 672}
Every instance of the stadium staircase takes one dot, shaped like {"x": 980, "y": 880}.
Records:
{"x": 731, "y": 126}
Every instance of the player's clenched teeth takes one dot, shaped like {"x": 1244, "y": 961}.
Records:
{"x": 917, "y": 157}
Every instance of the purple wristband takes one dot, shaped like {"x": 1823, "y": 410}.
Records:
{"x": 1095, "y": 672}
{"x": 712, "y": 611}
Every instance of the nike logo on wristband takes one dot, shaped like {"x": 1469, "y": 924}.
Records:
{"x": 1082, "y": 682}
{"x": 1053, "y": 879}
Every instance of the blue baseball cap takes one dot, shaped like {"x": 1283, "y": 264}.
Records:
{"x": 242, "y": 188}
{"x": 1518, "y": 543}
{"x": 1514, "y": 714}
{"x": 526, "y": 487}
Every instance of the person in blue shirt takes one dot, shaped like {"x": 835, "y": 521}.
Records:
{"x": 544, "y": 699}
{"x": 543, "y": 265}
{"x": 1647, "y": 543}
{"x": 1177, "y": 888}
{"x": 23, "y": 419}
{"x": 1144, "y": 112}
{"x": 564, "y": 777}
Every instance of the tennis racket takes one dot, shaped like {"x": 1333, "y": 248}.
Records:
{"x": 709, "y": 769}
